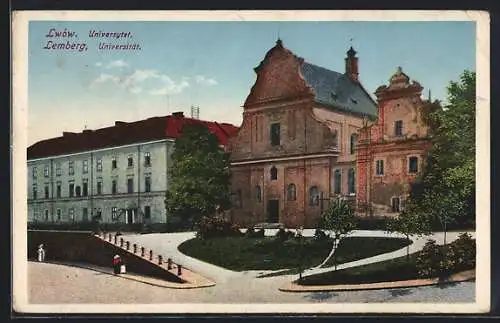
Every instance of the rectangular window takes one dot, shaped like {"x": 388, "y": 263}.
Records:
{"x": 275, "y": 134}
{"x": 379, "y": 167}
{"x": 351, "y": 180}
{"x": 99, "y": 186}
{"x": 71, "y": 168}
{"x": 398, "y": 128}
{"x": 147, "y": 159}
{"x": 114, "y": 213}
{"x": 85, "y": 214}
{"x": 413, "y": 165}
{"x": 34, "y": 191}
{"x": 58, "y": 169}
{"x": 291, "y": 124}
{"x": 85, "y": 166}
{"x": 72, "y": 214}
{"x": 58, "y": 189}
{"x": 354, "y": 139}
{"x": 47, "y": 193}
{"x": 147, "y": 212}
{"x": 113, "y": 163}
{"x": 338, "y": 182}
{"x": 99, "y": 165}
{"x": 71, "y": 189}
{"x": 147, "y": 184}
{"x": 46, "y": 171}
{"x": 85, "y": 186}
{"x": 34, "y": 171}
{"x": 46, "y": 217}
{"x": 130, "y": 161}
{"x": 78, "y": 191}
{"x": 113, "y": 186}
{"x": 395, "y": 204}
{"x": 58, "y": 213}
{"x": 130, "y": 185}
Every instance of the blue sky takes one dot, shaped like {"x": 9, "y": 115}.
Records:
{"x": 210, "y": 64}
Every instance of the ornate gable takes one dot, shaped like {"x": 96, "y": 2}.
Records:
{"x": 278, "y": 77}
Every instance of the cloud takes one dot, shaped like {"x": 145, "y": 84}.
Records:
{"x": 201, "y": 79}
{"x": 105, "y": 78}
{"x": 150, "y": 81}
{"x": 139, "y": 76}
{"x": 117, "y": 64}
{"x": 169, "y": 86}
{"x": 98, "y": 64}
{"x": 136, "y": 90}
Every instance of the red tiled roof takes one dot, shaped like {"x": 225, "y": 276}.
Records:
{"x": 124, "y": 133}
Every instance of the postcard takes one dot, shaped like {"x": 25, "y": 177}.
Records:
{"x": 312, "y": 162}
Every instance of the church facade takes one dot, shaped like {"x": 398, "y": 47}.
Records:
{"x": 297, "y": 146}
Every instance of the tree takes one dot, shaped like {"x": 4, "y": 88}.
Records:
{"x": 339, "y": 219}
{"x": 410, "y": 223}
{"x": 445, "y": 193}
{"x": 199, "y": 176}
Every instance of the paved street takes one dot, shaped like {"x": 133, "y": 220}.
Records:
{"x": 235, "y": 287}
{"x": 59, "y": 284}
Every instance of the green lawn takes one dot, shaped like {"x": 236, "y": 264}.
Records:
{"x": 390, "y": 270}
{"x": 268, "y": 253}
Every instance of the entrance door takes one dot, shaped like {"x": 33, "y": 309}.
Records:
{"x": 273, "y": 211}
{"x": 130, "y": 216}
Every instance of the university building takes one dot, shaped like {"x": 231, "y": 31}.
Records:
{"x": 118, "y": 173}
{"x": 310, "y": 134}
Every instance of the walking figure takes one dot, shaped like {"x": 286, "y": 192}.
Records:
{"x": 117, "y": 261}
{"x": 118, "y": 265}
{"x": 41, "y": 253}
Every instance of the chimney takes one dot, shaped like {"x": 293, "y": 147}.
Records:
{"x": 351, "y": 65}
{"x": 178, "y": 114}
{"x": 120, "y": 123}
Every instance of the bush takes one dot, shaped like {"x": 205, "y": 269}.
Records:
{"x": 216, "y": 226}
{"x": 372, "y": 223}
{"x": 429, "y": 260}
{"x": 252, "y": 233}
{"x": 283, "y": 235}
{"x": 320, "y": 235}
{"x": 440, "y": 261}
{"x": 461, "y": 253}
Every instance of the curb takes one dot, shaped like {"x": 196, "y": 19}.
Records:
{"x": 463, "y": 276}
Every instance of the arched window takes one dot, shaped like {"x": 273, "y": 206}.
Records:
{"x": 354, "y": 139}
{"x": 258, "y": 193}
{"x": 351, "y": 181}
{"x": 314, "y": 196}
{"x": 291, "y": 192}
{"x": 338, "y": 182}
{"x": 274, "y": 173}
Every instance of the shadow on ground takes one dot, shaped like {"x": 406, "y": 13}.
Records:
{"x": 400, "y": 292}
{"x": 321, "y": 296}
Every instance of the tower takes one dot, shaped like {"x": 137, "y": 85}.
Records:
{"x": 351, "y": 65}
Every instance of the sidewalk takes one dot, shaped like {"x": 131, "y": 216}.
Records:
{"x": 194, "y": 281}
{"x": 455, "y": 278}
